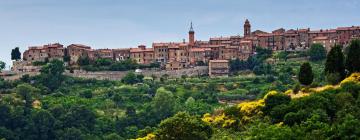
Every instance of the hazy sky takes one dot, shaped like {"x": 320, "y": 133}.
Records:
{"x": 128, "y": 23}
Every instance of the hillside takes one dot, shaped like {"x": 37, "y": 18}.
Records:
{"x": 329, "y": 112}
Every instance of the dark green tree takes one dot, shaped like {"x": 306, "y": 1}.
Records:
{"x": 70, "y": 134}
{"x": 84, "y": 61}
{"x": 15, "y": 54}
{"x": 335, "y": 62}
{"x": 317, "y": 52}
{"x": 183, "y": 127}
{"x": 27, "y": 93}
{"x": 130, "y": 78}
{"x": 306, "y": 75}
{"x": 44, "y": 125}
{"x": 79, "y": 117}
{"x": 353, "y": 60}
{"x": 2, "y": 65}
{"x": 52, "y": 74}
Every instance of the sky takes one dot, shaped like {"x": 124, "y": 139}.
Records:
{"x": 129, "y": 23}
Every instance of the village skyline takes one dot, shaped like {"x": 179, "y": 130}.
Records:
{"x": 112, "y": 26}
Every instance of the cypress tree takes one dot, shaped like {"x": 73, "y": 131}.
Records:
{"x": 306, "y": 75}
{"x": 335, "y": 62}
{"x": 15, "y": 54}
{"x": 353, "y": 60}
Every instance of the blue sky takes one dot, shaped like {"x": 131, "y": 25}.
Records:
{"x": 128, "y": 23}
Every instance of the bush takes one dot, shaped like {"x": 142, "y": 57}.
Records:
{"x": 296, "y": 88}
{"x": 86, "y": 94}
{"x": 306, "y": 75}
{"x": 333, "y": 78}
{"x": 317, "y": 52}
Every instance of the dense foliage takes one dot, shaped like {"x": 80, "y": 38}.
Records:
{"x": 2, "y": 65}
{"x": 15, "y": 54}
{"x": 317, "y": 52}
{"x": 334, "y": 66}
{"x": 353, "y": 60}
{"x": 306, "y": 75}
{"x": 263, "y": 102}
{"x": 102, "y": 64}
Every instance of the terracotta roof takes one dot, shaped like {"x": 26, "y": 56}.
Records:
{"x": 265, "y": 35}
{"x": 80, "y": 46}
{"x": 303, "y": 30}
{"x": 322, "y": 31}
{"x": 200, "y": 49}
{"x": 121, "y": 49}
{"x": 137, "y": 50}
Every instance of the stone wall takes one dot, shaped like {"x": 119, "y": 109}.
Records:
{"x": 118, "y": 75}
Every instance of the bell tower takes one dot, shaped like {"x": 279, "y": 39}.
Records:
{"x": 247, "y": 28}
{"x": 191, "y": 35}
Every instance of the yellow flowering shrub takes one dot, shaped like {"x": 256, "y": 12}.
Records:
{"x": 147, "y": 137}
{"x": 219, "y": 120}
{"x": 288, "y": 92}
{"x": 228, "y": 123}
{"x": 355, "y": 77}
{"x": 270, "y": 93}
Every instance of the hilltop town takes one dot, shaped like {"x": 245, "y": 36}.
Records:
{"x": 216, "y": 52}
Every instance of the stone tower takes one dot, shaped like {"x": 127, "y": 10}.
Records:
{"x": 191, "y": 35}
{"x": 247, "y": 28}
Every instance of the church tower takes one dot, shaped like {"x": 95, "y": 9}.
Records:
{"x": 191, "y": 35}
{"x": 247, "y": 28}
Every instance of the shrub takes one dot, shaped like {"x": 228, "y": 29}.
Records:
{"x": 333, "y": 78}
{"x": 86, "y": 94}
{"x": 317, "y": 52}
{"x": 296, "y": 88}
{"x": 306, "y": 75}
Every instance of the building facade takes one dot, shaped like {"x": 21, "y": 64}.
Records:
{"x": 178, "y": 55}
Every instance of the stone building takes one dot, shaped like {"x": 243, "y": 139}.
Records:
{"x": 142, "y": 55}
{"x": 104, "y": 53}
{"x": 218, "y": 68}
{"x": 43, "y": 53}
{"x": 75, "y": 51}
{"x": 179, "y": 55}
{"x": 200, "y": 55}
{"x": 325, "y": 41}
{"x": 121, "y": 54}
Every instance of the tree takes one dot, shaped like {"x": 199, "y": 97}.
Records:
{"x": 71, "y": 134}
{"x": 183, "y": 127}
{"x": 306, "y": 75}
{"x": 353, "y": 60}
{"x": 163, "y": 103}
{"x": 52, "y": 74}
{"x": 335, "y": 62}
{"x": 317, "y": 52}
{"x": 44, "y": 125}
{"x": 130, "y": 78}
{"x": 112, "y": 136}
{"x": 83, "y": 60}
{"x": 2, "y": 65}
{"x": 79, "y": 117}
{"x": 15, "y": 54}
{"x": 275, "y": 99}
{"x": 27, "y": 92}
